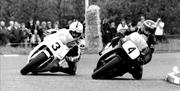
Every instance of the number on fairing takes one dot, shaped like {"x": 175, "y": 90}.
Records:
{"x": 131, "y": 49}
{"x": 56, "y": 46}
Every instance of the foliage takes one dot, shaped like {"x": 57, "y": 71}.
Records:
{"x": 62, "y": 10}
{"x": 131, "y": 10}
{"x": 43, "y": 10}
{"x": 14, "y": 50}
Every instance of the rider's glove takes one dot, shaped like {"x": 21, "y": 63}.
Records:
{"x": 146, "y": 55}
{"x": 71, "y": 44}
{"x": 73, "y": 59}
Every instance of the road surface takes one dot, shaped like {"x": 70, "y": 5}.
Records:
{"x": 153, "y": 77}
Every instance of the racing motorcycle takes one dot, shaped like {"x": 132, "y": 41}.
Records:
{"x": 117, "y": 58}
{"x": 43, "y": 57}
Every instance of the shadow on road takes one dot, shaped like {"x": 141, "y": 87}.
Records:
{"x": 116, "y": 79}
{"x": 48, "y": 74}
{"x": 131, "y": 79}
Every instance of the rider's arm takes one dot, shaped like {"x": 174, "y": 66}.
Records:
{"x": 146, "y": 55}
{"x": 74, "y": 54}
{"x": 137, "y": 39}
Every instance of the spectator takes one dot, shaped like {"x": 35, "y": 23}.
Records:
{"x": 49, "y": 25}
{"x": 44, "y": 26}
{"x": 35, "y": 39}
{"x": 2, "y": 25}
{"x": 11, "y": 25}
{"x": 140, "y": 23}
{"x": 122, "y": 28}
{"x": 37, "y": 25}
{"x": 105, "y": 32}
{"x": 131, "y": 28}
{"x": 43, "y": 29}
{"x": 4, "y": 36}
{"x": 16, "y": 35}
{"x": 56, "y": 25}
{"x": 30, "y": 25}
{"x": 159, "y": 30}
{"x": 25, "y": 35}
{"x": 113, "y": 29}
{"x": 39, "y": 31}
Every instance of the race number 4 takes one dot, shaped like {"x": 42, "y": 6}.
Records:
{"x": 56, "y": 46}
{"x": 131, "y": 49}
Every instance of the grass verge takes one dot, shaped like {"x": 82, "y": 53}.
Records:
{"x": 14, "y": 50}
{"x": 172, "y": 46}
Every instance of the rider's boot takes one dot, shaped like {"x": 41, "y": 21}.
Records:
{"x": 71, "y": 70}
{"x": 136, "y": 72}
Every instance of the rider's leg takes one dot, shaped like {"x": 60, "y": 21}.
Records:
{"x": 136, "y": 71}
{"x": 71, "y": 69}
{"x": 71, "y": 58}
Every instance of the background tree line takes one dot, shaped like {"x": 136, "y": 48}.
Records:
{"x": 114, "y": 10}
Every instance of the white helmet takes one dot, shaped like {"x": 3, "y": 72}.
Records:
{"x": 149, "y": 27}
{"x": 76, "y": 27}
{"x": 150, "y": 24}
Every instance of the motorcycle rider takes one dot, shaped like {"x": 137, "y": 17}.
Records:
{"x": 70, "y": 37}
{"x": 144, "y": 40}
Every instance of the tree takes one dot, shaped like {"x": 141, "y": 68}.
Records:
{"x": 115, "y": 10}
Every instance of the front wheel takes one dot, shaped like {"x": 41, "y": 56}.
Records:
{"x": 99, "y": 72}
{"x": 34, "y": 63}
{"x": 137, "y": 72}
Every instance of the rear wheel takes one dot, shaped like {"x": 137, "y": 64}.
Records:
{"x": 105, "y": 67}
{"x": 34, "y": 63}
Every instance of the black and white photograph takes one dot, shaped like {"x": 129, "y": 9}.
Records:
{"x": 89, "y": 45}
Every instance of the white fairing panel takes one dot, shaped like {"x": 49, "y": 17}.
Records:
{"x": 34, "y": 50}
{"x": 131, "y": 49}
{"x": 107, "y": 48}
{"x": 56, "y": 46}
{"x": 139, "y": 40}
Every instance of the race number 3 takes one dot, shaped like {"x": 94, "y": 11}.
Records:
{"x": 131, "y": 50}
{"x": 56, "y": 46}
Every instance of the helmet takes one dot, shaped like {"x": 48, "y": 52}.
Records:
{"x": 76, "y": 27}
{"x": 149, "y": 27}
{"x": 150, "y": 24}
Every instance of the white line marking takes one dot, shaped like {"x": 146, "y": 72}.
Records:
{"x": 10, "y": 55}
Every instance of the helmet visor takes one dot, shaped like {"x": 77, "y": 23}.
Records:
{"x": 75, "y": 34}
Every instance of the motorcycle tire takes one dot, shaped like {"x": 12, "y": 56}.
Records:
{"x": 137, "y": 72}
{"x": 98, "y": 73}
{"x": 34, "y": 63}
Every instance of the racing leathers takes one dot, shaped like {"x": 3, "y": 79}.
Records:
{"x": 140, "y": 41}
{"x": 73, "y": 55}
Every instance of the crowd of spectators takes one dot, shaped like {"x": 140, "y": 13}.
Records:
{"x": 26, "y": 34}
{"x": 33, "y": 32}
{"x": 111, "y": 29}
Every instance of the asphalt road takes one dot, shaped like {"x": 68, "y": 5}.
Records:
{"x": 153, "y": 77}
